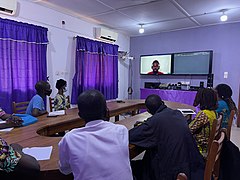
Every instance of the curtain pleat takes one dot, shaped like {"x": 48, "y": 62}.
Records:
{"x": 96, "y": 68}
{"x": 23, "y": 50}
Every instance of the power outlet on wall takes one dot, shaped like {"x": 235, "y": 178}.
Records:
{"x": 225, "y": 75}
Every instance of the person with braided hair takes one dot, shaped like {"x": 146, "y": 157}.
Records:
{"x": 225, "y": 102}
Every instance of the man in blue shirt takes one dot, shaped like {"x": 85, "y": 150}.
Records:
{"x": 36, "y": 106}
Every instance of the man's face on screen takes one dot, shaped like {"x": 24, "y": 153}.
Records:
{"x": 155, "y": 67}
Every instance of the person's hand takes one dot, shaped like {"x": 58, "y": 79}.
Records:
{"x": 138, "y": 123}
{"x": 17, "y": 147}
{"x": 14, "y": 121}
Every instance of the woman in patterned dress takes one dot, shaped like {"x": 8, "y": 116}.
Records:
{"x": 201, "y": 125}
{"x": 13, "y": 162}
{"x": 60, "y": 100}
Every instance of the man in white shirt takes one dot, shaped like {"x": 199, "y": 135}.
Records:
{"x": 98, "y": 151}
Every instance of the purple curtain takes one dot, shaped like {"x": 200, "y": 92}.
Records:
{"x": 96, "y": 68}
{"x": 23, "y": 61}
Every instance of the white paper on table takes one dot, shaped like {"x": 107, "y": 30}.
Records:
{"x": 186, "y": 111}
{"x": 57, "y": 113}
{"x": 6, "y": 129}
{"x": 40, "y": 153}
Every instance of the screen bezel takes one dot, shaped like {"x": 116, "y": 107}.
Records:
{"x": 172, "y": 64}
{"x": 209, "y": 69}
{"x": 149, "y": 55}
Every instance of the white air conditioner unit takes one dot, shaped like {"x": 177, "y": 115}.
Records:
{"x": 105, "y": 34}
{"x": 8, "y": 7}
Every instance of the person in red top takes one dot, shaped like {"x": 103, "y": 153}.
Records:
{"x": 155, "y": 68}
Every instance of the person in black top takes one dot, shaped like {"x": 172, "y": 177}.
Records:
{"x": 170, "y": 147}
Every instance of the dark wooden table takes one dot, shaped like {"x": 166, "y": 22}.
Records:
{"x": 37, "y": 135}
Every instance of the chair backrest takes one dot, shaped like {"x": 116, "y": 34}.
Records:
{"x": 51, "y": 103}
{"x": 20, "y": 107}
{"x": 182, "y": 176}
{"x": 216, "y": 126}
{"x": 68, "y": 100}
{"x": 213, "y": 160}
{"x": 229, "y": 126}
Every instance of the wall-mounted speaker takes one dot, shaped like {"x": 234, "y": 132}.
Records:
{"x": 201, "y": 84}
{"x": 210, "y": 80}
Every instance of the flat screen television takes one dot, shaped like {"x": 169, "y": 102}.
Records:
{"x": 192, "y": 63}
{"x": 155, "y": 64}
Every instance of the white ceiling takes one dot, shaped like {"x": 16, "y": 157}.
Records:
{"x": 156, "y": 15}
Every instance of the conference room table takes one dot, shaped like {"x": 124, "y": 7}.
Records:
{"x": 39, "y": 134}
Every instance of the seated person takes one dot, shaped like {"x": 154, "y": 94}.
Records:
{"x": 202, "y": 123}
{"x": 60, "y": 100}
{"x": 98, "y": 151}
{"x": 155, "y": 68}
{"x": 36, "y": 106}
{"x": 198, "y": 97}
{"x": 14, "y": 164}
{"x": 11, "y": 120}
{"x": 225, "y": 102}
{"x": 169, "y": 144}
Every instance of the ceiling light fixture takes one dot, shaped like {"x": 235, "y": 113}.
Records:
{"x": 141, "y": 29}
{"x": 223, "y": 16}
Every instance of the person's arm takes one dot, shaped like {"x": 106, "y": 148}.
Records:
{"x": 143, "y": 135}
{"x": 11, "y": 121}
{"x": 27, "y": 165}
{"x": 13, "y": 160}
{"x": 38, "y": 105}
{"x": 64, "y": 164}
{"x": 5, "y": 116}
{"x": 199, "y": 121}
{"x": 36, "y": 112}
{"x": 5, "y": 125}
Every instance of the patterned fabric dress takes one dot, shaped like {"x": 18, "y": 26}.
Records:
{"x": 8, "y": 157}
{"x": 60, "y": 102}
{"x": 200, "y": 127}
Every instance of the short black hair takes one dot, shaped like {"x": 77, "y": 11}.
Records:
{"x": 60, "y": 83}
{"x": 40, "y": 86}
{"x": 208, "y": 99}
{"x": 155, "y": 61}
{"x": 224, "y": 91}
{"x": 153, "y": 102}
{"x": 92, "y": 105}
